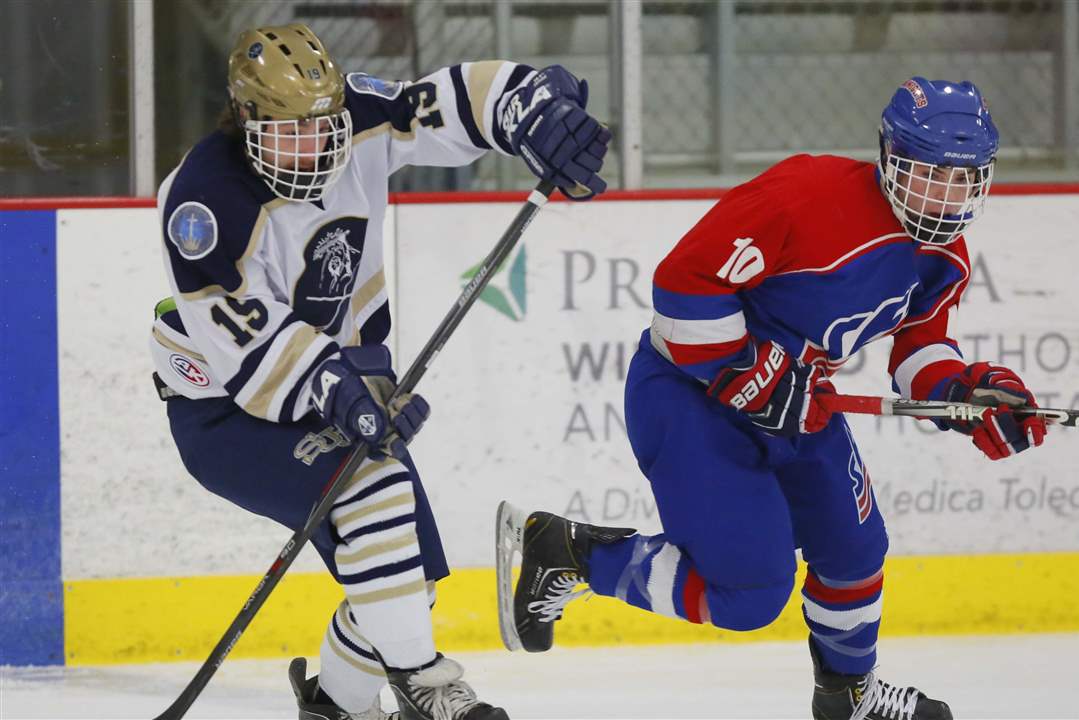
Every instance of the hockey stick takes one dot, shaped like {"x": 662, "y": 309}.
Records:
{"x": 536, "y": 200}
{"x": 867, "y": 405}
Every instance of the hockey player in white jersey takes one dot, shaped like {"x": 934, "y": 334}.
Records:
{"x": 270, "y": 351}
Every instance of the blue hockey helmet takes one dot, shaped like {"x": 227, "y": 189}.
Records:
{"x": 938, "y": 144}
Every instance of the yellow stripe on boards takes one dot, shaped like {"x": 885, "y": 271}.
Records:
{"x": 157, "y": 619}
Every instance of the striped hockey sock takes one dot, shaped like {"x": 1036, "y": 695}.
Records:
{"x": 650, "y": 573}
{"x": 844, "y": 618}
{"x": 380, "y": 566}
{"x": 351, "y": 674}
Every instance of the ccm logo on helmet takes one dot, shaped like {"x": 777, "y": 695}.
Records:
{"x": 760, "y": 380}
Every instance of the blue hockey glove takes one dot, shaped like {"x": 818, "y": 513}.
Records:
{"x": 351, "y": 390}
{"x": 777, "y": 392}
{"x": 546, "y": 124}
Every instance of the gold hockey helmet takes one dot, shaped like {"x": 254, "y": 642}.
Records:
{"x": 288, "y": 97}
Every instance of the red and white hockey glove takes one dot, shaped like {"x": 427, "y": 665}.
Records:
{"x": 1000, "y": 435}
{"x": 777, "y": 392}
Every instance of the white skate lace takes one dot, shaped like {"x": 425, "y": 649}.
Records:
{"x": 885, "y": 699}
{"x": 559, "y": 594}
{"x": 440, "y": 694}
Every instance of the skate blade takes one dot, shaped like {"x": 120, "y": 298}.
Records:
{"x": 509, "y": 535}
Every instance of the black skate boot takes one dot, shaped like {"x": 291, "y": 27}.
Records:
{"x": 867, "y": 697}
{"x": 316, "y": 705}
{"x": 554, "y": 560}
{"x": 436, "y": 692}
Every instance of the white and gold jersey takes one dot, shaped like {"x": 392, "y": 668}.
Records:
{"x": 265, "y": 289}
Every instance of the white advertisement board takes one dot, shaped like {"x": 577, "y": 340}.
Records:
{"x": 528, "y": 400}
{"x": 527, "y": 396}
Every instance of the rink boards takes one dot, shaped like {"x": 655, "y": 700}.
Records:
{"x": 113, "y": 554}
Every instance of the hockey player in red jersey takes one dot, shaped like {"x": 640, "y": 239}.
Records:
{"x": 777, "y": 286}
{"x": 271, "y": 350}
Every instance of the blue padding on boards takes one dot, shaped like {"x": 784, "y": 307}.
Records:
{"x": 31, "y": 598}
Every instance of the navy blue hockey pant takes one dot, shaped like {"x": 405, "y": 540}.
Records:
{"x": 735, "y": 503}
{"x": 276, "y": 470}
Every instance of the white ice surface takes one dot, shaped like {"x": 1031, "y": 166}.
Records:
{"x": 1029, "y": 676}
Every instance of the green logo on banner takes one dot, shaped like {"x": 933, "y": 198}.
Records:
{"x": 506, "y": 290}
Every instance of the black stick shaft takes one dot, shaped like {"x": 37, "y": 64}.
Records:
{"x": 337, "y": 483}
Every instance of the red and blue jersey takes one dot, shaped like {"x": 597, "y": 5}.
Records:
{"x": 810, "y": 255}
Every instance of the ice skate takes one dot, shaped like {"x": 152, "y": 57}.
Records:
{"x": 867, "y": 697}
{"x": 312, "y": 707}
{"x": 554, "y": 560}
{"x": 436, "y": 692}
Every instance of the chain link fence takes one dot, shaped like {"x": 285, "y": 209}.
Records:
{"x": 814, "y": 76}
{"x": 728, "y": 86}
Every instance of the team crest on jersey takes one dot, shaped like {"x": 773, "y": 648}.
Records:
{"x": 192, "y": 229}
{"x": 367, "y": 85}
{"x": 188, "y": 370}
{"x": 847, "y": 334}
{"x": 332, "y": 259}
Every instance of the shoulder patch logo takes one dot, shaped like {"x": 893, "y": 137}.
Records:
{"x": 193, "y": 230}
{"x": 368, "y": 85}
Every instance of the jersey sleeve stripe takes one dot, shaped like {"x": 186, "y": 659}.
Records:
{"x": 264, "y": 394}
{"x": 514, "y": 75}
{"x": 700, "y": 361}
{"x": 372, "y": 288}
{"x": 684, "y": 306}
{"x": 167, "y": 338}
{"x": 464, "y": 107}
{"x": 725, "y": 353}
{"x": 298, "y": 400}
{"x": 481, "y": 78}
{"x": 376, "y": 328}
{"x": 700, "y": 332}
{"x": 295, "y": 364}
{"x": 253, "y": 359}
{"x": 916, "y": 376}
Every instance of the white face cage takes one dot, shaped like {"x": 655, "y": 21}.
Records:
{"x": 300, "y": 159}
{"x": 935, "y": 203}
